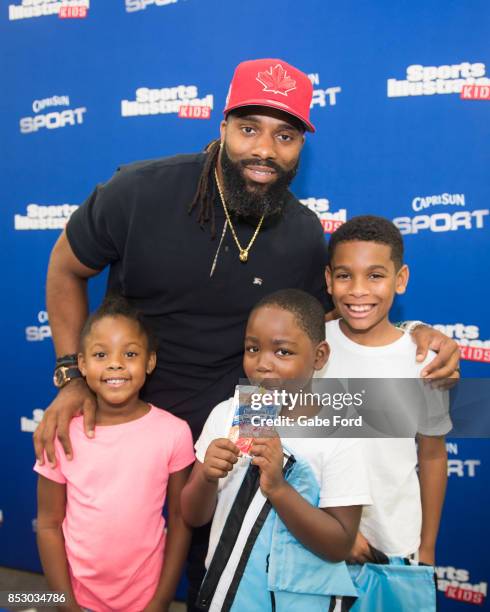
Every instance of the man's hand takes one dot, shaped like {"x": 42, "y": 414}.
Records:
{"x": 220, "y": 458}
{"x": 427, "y": 556}
{"x": 446, "y": 364}
{"x": 268, "y": 457}
{"x": 73, "y": 399}
{"x": 360, "y": 552}
{"x": 154, "y": 605}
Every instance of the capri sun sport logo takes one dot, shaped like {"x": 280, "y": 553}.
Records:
{"x": 323, "y": 96}
{"x": 140, "y": 5}
{"x": 444, "y": 219}
{"x": 461, "y": 467}
{"x": 54, "y": 119}
{"x": 41, "y": 330}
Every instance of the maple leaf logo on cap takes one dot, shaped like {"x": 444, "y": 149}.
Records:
{"x": 276, "y": 80}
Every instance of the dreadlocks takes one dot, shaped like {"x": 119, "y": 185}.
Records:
{"x": 206, "y": 189}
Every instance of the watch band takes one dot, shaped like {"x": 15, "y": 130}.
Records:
{"x": 67, "y": 360}
{"x": 409, "y": 326}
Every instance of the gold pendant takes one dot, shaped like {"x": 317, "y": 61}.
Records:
{"x": 244, "y": 255}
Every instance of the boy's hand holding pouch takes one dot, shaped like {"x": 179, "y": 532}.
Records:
{"x": 221, "y": 456}
{"x": 248, "y": 403}
{"x": 267, "y": 455}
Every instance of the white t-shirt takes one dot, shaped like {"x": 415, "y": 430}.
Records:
{"x": 338, "y": 465}
{"x": 393, "y": 522}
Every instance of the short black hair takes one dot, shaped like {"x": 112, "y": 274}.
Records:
{"x": 115, "y": 305}
{"x": 307, "y": 310}
{"x": 369, "y": 228}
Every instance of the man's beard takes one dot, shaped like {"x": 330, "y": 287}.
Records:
{"x": 267, "y": 200}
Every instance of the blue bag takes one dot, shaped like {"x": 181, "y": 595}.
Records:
{"x": 396, "y": 586}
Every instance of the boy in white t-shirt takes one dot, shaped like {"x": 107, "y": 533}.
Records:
{"x": 271, "y": 539}
{"x": 365, "y": 272}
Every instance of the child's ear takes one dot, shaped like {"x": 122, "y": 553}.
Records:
{"x": 81, "y": 364}
{"x": 328, "y": 278}
{"x": 402, "y": 279}
{"x": 152, "y": 362}
{"x": 322, "y": 354}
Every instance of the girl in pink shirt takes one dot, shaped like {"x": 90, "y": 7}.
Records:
{"x": 101, "y": 534}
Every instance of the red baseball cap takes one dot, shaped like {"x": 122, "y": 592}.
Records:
{"x": 273, "y": 83}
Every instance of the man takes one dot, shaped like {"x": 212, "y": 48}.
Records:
{"x": 194, "y": 241}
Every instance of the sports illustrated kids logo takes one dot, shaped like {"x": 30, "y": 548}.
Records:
{"x": 323, "y": 97}
{"x": 183, "y": 100}
{"x": 41, "y": 330}
{"x": 472, "y": 348}
{"x": 140, "y": 5}
{"x": 330, "y": 220}
{"x": 454, "y": 583}
{"x": 445, "y": 212}
{"x": 475, "y": 92}
{"x": 65, "y": 9}
{"x": 457, "y": 584}
{"x": 54, "y": 119}
{"x": 44, "y": 217}
{"x": 30, "y": 425}
{"x": 437, "y": 80}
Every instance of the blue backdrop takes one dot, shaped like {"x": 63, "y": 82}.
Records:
{"x": 86, "y": 88}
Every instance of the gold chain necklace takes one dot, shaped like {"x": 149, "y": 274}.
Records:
{"x": 243, "y": 252}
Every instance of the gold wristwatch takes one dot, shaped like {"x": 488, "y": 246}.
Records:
{"x": 64, "y": 374}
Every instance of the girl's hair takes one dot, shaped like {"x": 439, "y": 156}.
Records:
{"x": 115, "y": 305}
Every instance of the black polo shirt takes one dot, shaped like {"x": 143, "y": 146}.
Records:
{"x": 161, "y": 259}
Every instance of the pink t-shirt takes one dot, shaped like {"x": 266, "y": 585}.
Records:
{"x": 116, "y": 486}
